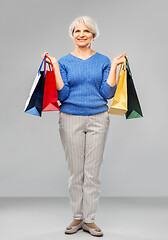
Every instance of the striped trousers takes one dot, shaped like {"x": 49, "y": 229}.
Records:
{"x": 83, "y": 139}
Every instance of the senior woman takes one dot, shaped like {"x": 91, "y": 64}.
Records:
{"x": 85, "y": 80}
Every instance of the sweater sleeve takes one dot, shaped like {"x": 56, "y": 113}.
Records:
{"x": 63, "y": 93}
{"x": 106, "y": 90}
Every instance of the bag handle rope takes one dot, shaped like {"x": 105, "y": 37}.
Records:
{"x": 122, "y": 68}
{"x": 50, "y": 64}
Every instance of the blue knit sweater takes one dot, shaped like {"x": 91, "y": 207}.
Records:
{"x": 85, "y": 90}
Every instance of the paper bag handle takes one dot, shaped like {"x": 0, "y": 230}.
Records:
{"x": 50, "y": 65}
{"x": 122, "y": 67}
{"x": 43, "y": 61}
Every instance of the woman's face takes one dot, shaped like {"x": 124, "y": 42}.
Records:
{"x": 82, "y": 35}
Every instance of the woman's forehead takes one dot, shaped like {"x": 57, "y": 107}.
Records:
{"x": 81, "y": 25}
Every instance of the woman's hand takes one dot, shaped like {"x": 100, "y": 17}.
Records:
{"x": 118, "y": 60}
{"x": 53, "y": 60}
{"x": 111, "y": 80}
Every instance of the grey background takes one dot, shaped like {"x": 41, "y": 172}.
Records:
{"x": 32, "y": 161}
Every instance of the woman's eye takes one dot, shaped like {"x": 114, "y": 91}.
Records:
{"x": 78, "y": 31}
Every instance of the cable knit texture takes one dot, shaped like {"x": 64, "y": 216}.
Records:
{"x": 85, "y": 90}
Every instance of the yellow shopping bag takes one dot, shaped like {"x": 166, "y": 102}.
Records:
{"x": 119, "y": 102}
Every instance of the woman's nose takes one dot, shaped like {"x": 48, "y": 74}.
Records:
{"x": 81, "y": 34}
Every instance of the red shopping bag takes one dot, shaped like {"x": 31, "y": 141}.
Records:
{"x": 50, "y": 97}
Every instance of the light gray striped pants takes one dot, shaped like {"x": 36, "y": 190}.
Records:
{"x": 83, "y": 139}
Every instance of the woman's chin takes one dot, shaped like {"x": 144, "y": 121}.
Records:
{"x": 83, "y": 44}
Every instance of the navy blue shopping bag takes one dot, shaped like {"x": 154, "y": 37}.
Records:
{"x": 34, "y": 103}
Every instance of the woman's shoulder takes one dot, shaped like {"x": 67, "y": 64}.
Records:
{"x": 64, "y": 61}
{"x": 105, "y": 59}
{"x": 104, "y": 56}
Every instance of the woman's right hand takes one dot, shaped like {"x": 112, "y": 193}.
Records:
{"x": 53, "y": 60}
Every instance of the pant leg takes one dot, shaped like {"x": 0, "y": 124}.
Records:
{"x": 71, "y": 128}
{"x": 95, "y": 142}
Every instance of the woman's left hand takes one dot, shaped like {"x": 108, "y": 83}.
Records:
{"x": 118, "y": 60}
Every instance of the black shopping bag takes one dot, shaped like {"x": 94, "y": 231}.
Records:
{"x": 134, "y": 108}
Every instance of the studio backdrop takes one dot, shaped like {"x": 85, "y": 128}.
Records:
{"x": 32, "y": 161}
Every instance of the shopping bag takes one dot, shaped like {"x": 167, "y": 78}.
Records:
{"x": 50, "y": 97}
{"x": 119, "y": 102}
{"x": 34, "y": 102}
{"x": 134, "y": 108}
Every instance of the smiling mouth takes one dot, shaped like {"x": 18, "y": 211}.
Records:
{"x": 82, "y": 39}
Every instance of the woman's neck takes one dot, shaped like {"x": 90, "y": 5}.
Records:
{"x": 84, "y": 52}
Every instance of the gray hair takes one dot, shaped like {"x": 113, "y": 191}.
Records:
{"x": 89, "y": 22}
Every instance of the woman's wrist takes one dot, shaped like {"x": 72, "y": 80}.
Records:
{"x": 55, "y": 63}
{"x": 113, "y": 66}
